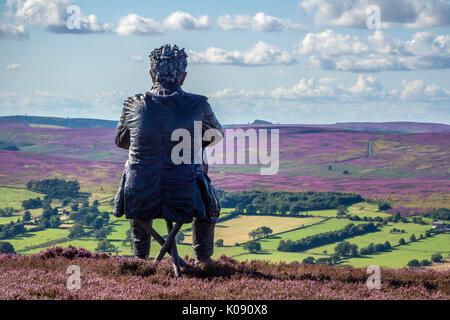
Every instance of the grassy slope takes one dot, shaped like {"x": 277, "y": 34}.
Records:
{"x": 381, "y": 236}
{"x": 236, "y": 230}
{"x": 12, "y": 197}
{"x": 399, "y": 257}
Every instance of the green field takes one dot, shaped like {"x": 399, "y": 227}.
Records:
{"x": 235, "y": 231}
{"x": 399, "y": 257}
{"x": 13, "y": 197}
{"x": 361, "y": 210}
{"x": 37, "y": 237}
{"x": 381, "y": 236}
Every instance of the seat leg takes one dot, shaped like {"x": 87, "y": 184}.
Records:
{"x": 169, "y": 242}
{"x": 161, "y": 241}
{"x": 174, "y": 251}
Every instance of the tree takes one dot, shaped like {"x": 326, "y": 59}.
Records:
{"x": 98, "y": 223}
{"x": 260, "y": 232}
{"x": 250, "y": 209}
{"x": 343, "y": 248}
{"x": 6, "y": 247}
{"x": 26, "y": 216}
{"x": 324, "y": 261}
{"x": 239, "y": 208}
{"x": 44, "y": 223}
{"x": 252, "y": 246}
{"x": 180, "y": 237}
{"x": 284, "y": 207}
{"x": 32, "y": 203}
{"x": 413, "y": 263}
{"x": 127, "y": 238}
{"x": 265, "y": 231}
{"x": 379, "y": 247}
{"x": 76, "y": 216}
{"x": 93, "y": 209}
{"x": 387, "y": 245}
{"x": 335, "y": 258}
{"x": 76, "y": 231}
{"x": 49, "y": 212}
{"x": 296, "y": 208}
{"x": 342, "y": 210}
{"x": 383, "y": 205}
{"x": 219, "y": 243}
{"x": 401, "y": 241}
{"x": 74, "y": 207}
{"x": 54, "y": 221}
{"x": 102, "y": 234}
{"x": 55, "y": 188}
{"x": 425, "y": 262}
{"x": 90, "y": 218}
{"x": 308, "y": 260}
{"x": 412, "y": 238}
{"x": 95, "y": 203}
{"x": 354, "y": 250}
{"x": 437, "y": 257}
{"x": 253, "y": 234}
{"x": 105, "y": 246}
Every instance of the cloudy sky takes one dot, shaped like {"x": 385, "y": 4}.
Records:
{"x": 290, "y": 61}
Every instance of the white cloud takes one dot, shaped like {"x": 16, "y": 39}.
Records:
{"x": 335, "y": 51}
{"x": 398, "y": 13}
{"x": 365, "y": 88}
{"x": 52, "y": 15}
{"x": 184, "y": 21}
{"x": 259, "y": 22}
{"x": 368, "y": 87}
{"x": 102, "y": 105}
{"x": 14, "y": 67}
{"x": 325, "y": 100}
{"x": 137, "y": 58}
{"x": 39, "y": 99}
{"x": 134, "y": 24}
{"x": 417, "y": 90}
{"x": 305, "y": 88}
{"x": 260, "y": 54}
{"x": 13, "y": 32}
{"x": 332, "y": 44}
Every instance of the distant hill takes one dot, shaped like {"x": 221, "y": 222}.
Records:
{"x": 383, "y": 127}
{"x": 63, "y": 122}
{"x": 393, "y": 127}
{"x": 261, "y": 122}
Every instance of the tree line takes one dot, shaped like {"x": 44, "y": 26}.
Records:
{"x": 55, "y": 188}
{"x": 270, "y": 202}
{"x": 325, "y": 238}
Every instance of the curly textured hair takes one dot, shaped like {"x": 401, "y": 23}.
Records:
{"x": 168, "y": 64}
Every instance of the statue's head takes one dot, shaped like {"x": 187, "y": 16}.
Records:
{"x": 168, "y": 65}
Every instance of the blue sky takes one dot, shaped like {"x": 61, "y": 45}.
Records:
{"x": 311, "y": 61}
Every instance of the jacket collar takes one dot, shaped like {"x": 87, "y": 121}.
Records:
{"x": 165, "y": 89}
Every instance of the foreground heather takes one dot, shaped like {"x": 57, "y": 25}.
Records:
{"x": 43, "y": 276}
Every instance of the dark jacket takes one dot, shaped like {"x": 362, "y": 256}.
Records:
{"x": 152, "y": 186}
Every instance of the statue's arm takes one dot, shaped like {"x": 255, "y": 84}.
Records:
{"x": 122, "y": 136}
{"x": 209, "y": 122}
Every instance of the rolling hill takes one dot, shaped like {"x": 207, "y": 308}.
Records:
{"x": 412, "y": 170}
